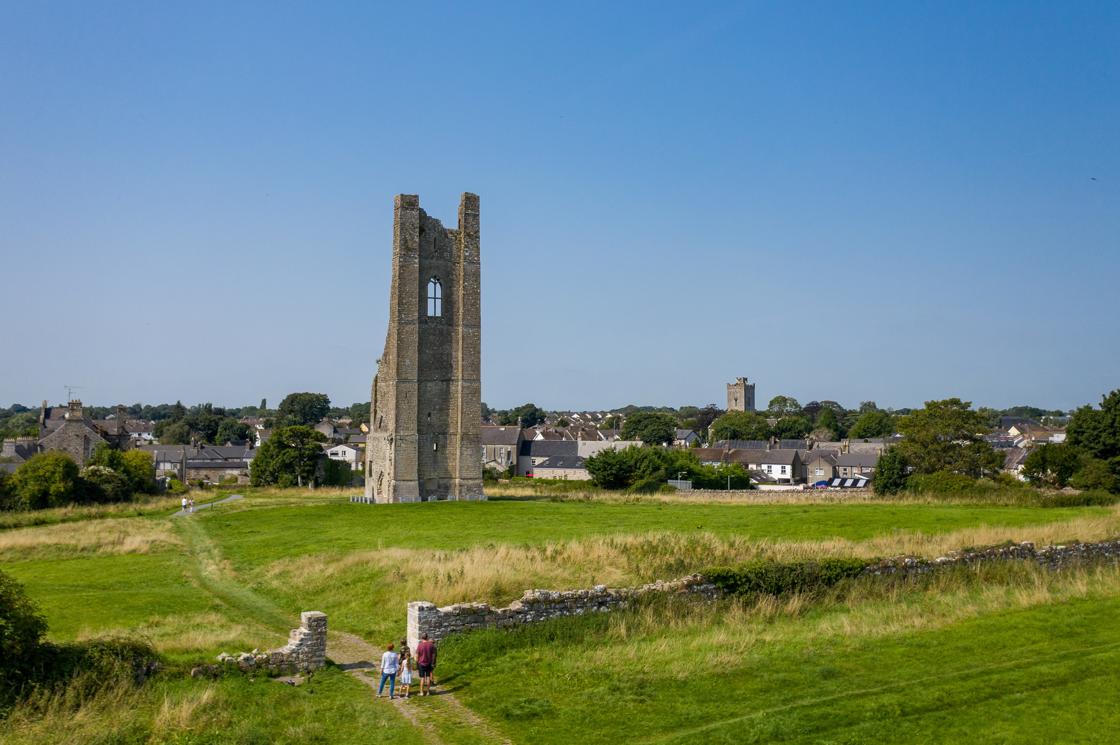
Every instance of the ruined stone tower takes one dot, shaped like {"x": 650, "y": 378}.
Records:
{"x": 425, "y": 437}
{"x": 740, "y": 395}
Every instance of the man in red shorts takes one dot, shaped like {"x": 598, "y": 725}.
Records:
{"x": 425, "y": 663}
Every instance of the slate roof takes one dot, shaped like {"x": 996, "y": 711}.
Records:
{"x": 500, "y": 435}
{"x": 549, "y": 448}
{"x": 742, "y": 444}
{"x": 778, "y": 457}
{"x": 792, "y": 445}
{"x": 866, "y": 460}
{"x": 829, "y": 456}
{"x": 561, "y": 461}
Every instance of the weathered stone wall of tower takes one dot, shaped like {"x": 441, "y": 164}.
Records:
{"x": 425, "y": 439}
{"x": 740, "y": 395}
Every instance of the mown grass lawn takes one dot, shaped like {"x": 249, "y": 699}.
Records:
{"x": 251, "y": 537}
{"x": 1045, "y": 673}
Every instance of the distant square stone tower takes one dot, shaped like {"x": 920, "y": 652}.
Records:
{"x": 740, "y": 395}
{"x": 425, "y": 436}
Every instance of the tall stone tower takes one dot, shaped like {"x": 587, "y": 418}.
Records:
{"x": 740, "y": 395}
{"x": 425, "y": 436}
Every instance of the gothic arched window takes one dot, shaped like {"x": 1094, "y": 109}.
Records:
{"x": 435, "y": 298}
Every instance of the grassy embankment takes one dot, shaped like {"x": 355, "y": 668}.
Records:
{"x": 236, "y": 576}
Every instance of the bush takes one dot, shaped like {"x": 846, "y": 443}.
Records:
{"x": 48, "y": 479}
{"x": 648, "y": 469}
{"x": 27, "y": 662}
{"x": 105, "y": 485}
{"x": 175, "y": 486}
{"x": 21, "y": 631}
{"x": 1095, "y": 474}
{"x": 763, "y": 577}
{"x": 891, "y": 472}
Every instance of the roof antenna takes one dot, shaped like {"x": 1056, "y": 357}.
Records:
{"x": 70, "y": 391}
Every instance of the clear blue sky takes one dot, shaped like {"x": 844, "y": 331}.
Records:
{"x": 890, "y": 201}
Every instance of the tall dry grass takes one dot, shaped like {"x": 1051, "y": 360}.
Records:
{"x": 727, "y": 633}
{"x": 106, "y": 536}
{"x": 144, "y": 506}
{"x": 500, "y": 573}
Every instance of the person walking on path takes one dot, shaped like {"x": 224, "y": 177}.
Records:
{"x": 190, "y": 504}
{"x": 404, "y": 666}
{"x": 389, "y": 663}
{"x": 184, "y": 502}
{"x": 425, "y": 663}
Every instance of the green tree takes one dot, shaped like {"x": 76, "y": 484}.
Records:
{"x": 104, "y": 455}
{"x": 138, "y": 468}
{"x": 651, "y": 427}
{"x": 48, "y": 479}
{"x": 359, "y": 413}
{"x": 526, "y": 415}
{"x": 739, "y": 425}
{"x": 1096, "y": 474}
{"x": 302, "y": 408}
{"x": 610, "y": 469}
{"x": 170, "y": 432}
{"x": 891, "y": 472}
{"x": 874, "y": 423}
{"x": 178, "y": 412}
{"x": 826, "y": 419}
{"x": 231, "y": 430}
{"x": 289, "y": 457}
{"x": 103, "y": 484}
{"x": 792, "y": 427}
{"x": 614, "y": 421}
{"x": 1052, "y": 465}
{"x": 1096, "y": 432}
{"x": 784, "y": 405}
{"x": 946, "y": 436}
{"x": 21, "y": 632}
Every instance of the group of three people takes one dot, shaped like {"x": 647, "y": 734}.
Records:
{"x": 399, "y": 664}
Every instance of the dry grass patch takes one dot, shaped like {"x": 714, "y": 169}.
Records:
{"x": 727, "y": 633}
{"x": 501, "y": 573}
{"x": 108, "y": 536}
{"x": 196, "y": 632}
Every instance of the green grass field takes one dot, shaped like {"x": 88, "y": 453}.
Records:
{"x": 236, "y": 576}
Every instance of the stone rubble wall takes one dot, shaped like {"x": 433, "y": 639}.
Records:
{"x": 306, "y": 650}
{"x": 1050, "y": 557}
{"x": 541, "y": 605}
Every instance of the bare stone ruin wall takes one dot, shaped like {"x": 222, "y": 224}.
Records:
{"x": 306, "y": 650}
{"x": 540, "y": 605}
{"x": 1049, "y": 557}
{"x": 543, "y": 605}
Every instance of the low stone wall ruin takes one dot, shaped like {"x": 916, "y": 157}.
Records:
{"x": 1050, "y": 557}
{"x": 543, "y": 605}
{"x": 306, "y": 650}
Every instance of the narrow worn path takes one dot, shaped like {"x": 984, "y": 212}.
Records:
{"x": 197, "y": 507}
{"x": 430, "y": 714}
{"x": 441, "y": 719}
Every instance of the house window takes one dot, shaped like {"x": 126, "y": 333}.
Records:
{"x": 769, "y": 469}
{"x": 435, "y": 298}
{"x": 784, "y": 469}
{"x": 820, "y": 472}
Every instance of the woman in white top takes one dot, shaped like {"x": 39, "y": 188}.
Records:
{"x": 389, "y": 662}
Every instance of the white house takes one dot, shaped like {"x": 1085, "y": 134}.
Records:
{"x": 348, "y": 453}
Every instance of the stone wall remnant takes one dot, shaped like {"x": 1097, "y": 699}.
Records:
{"x": 306, "y": 650}
{"x": 543, "y": 605}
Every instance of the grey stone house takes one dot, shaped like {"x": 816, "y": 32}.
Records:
{"x": 500, "y": 446}
{"x": 856, "y": 464}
